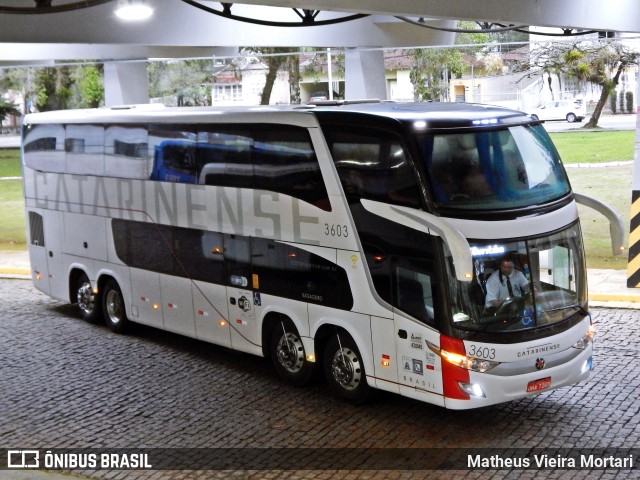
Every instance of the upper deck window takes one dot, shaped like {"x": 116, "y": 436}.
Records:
{"x": 373, "y": 164}
{"x": 493, "y": 170}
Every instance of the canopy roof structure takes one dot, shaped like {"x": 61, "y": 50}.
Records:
{"x": 46, "y": 30}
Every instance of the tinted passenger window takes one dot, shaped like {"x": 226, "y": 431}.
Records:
{"x": 44, "y": 147}
{"x": 144, "y": 245}
{"x": 224, "y": 157}
{"x": 84, "y": 147}
{"x": 126, "y": 152}
{"x": 374, "y": 165}
{"x": 174, "y": 153}
{"x": 290, "y": 272}
{"x": 285, "y": 162}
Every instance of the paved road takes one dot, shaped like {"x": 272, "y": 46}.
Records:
{"x": 67, "y": 384}
{"x": 618, "y": 122}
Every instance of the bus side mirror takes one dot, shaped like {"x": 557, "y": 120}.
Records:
{"x": 616, "y": 228}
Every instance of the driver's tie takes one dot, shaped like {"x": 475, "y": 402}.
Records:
{"x": 509, "y": 287}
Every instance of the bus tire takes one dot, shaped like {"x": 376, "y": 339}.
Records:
{"x": 115, "y": 315}
{"x": 88, "y": 302}
{"x": 288, "y": 355}
{"x": 344, "y": 369}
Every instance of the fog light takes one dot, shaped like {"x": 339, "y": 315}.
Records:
{"x": 472, "y": 389}
{"x": 588, "y": 365}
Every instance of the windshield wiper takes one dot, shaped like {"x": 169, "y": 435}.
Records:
{"x": 566, "y": 307}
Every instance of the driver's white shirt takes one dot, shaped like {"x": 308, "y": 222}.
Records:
{"x": 499, "y": 291}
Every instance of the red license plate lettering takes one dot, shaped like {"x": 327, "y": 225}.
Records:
{"x": 540, "y": 384}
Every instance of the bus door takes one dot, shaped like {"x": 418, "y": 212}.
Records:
{"x": 240, "y": 295}
{"x": 419, "y": 369}
{"x": 209, "y": 290}
{"x": 54, "y": 235}
{"x": 38, "y": 251}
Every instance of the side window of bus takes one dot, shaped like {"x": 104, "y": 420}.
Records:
{"x": 285, "y": 162}
{"x": 374, "y": 165}
{"x": 174, "y": 153}
{"x": 44, "y": 147}
{"x": 126, "y": 152}
{"x": 291, "y": 272}
{"x": 414, "y": 292}
{"x": 401, "y": 266}
{"x": 144, "y": 245}
{"x": 223, "y": 157}
{"x": 84, "y": 148}
{"x": 200, "y": 254}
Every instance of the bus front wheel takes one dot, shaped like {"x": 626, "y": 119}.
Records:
{"x": 288, "y": 355}
{"x": 87, "y": 300}
{"x": 344, "y": 369}
{"x": 113, "y": 308}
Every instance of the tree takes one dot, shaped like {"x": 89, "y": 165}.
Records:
{"x": 316, "y": 67}
{"x": 275, "y": 58}
{"x": 19, "y": 80}
{"x": 8, "y": 109}
{"x": 600, "y": 63}
{"x": 293, "y": 66}
{"x": 53, "y": 88}
{"x": 90, "y": 86}
{"x": 431, "y": 70}
{"x": 185, "y": 79}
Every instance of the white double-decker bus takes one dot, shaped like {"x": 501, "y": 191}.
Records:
{"x": 372, "y": 241}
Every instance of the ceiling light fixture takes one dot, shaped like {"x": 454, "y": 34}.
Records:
{"x": 133, "y": 10}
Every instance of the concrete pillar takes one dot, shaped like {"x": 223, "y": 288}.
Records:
{"x": 633, "y": 265}
{"x": 125, "y": 83}
{"x": 364, "y": 74}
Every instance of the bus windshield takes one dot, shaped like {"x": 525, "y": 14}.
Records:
{"x": 493, "y": 170}
{"x": 521, "y": 284}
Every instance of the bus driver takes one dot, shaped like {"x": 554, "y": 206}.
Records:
{"x": 506, "y": 282}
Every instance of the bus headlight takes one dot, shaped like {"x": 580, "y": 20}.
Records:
{"x": 472, "y": 389}
{"x": 470, "y": 363}
{"x": 586, "y": 340}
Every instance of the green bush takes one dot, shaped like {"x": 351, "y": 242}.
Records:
{"x": 613, "y": 102}
{"x": 629, "y": 102}
{"x": 621, "y": 101}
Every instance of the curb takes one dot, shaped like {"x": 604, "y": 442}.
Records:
{"x": 614, "y": 297}
{"x": 15, "y": 271}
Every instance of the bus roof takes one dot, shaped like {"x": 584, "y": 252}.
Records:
{"x": 434, "y": 115}
{"x": 157, "y": 113}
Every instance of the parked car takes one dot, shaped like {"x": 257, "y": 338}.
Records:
{"x": 319, "y": 96}
{"x": 571, "y": 111}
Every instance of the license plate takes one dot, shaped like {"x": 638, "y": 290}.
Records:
{"x": 540, "y": 384}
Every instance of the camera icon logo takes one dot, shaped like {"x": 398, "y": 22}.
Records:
{"x": 23, "y": 459}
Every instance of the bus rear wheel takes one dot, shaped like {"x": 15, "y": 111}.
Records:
{"x": 288, "y": 355}
{"x": 113, "y": 308}
{"x": 344, "y": 369}
{"x": 87, "y": 300}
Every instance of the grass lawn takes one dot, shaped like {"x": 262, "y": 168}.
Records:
{"x": 612, "y": 185}
{"x": 595, "y": 146}
{"x": 609, "y": 184}
{"x": 12, "y": 230}
{"x": 10, "y": 163}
